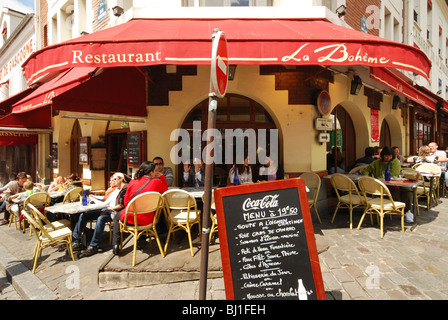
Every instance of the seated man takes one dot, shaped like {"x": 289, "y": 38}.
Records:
{"x": 116, "y": 203}
{"x": 377, "y": 169}
{"x": 166, "y": 171}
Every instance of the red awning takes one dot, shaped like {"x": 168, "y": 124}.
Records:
{"x": 144, "y": 42}
{"x": 400, "y": 86}
{"x": 5, "y": 105}
{"x": 116, "y": 91}
{"x": 39, "y": 118}
{"x": 44, "y": 94}
{"x": 8, "y": 138}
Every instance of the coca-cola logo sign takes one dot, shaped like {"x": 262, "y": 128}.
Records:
{"x": 267, "y": 202}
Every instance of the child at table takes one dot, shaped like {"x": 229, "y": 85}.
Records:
{"x": 21, "y": 197}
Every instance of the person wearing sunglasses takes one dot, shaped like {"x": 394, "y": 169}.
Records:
{"x": 161, "y": 169}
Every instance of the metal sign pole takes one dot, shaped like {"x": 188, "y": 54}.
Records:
{"x": 214, "y": 93}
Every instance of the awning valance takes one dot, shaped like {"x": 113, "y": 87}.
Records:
{"x": 145, "y": 42}
{"x": 39, "y": 118}
{"x": 8, "y": 138}
{"x": 394, "y": 82}
{"x": 6, "y": 105}
{"x": 45, "y": 93}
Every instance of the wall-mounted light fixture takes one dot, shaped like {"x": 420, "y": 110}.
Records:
{"x": 356, "y": 85}
{"x": 396, "y": 102}
{"x": 118, "y": 11}
{"x": 232, "y": 70}
{"x": 341, "y": 11}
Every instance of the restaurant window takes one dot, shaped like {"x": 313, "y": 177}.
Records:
{"x": 227, "y": 3}
{"x": 341, "y": 149}
{"x": 234, "y": 112}
{"x": 422, "y": 128}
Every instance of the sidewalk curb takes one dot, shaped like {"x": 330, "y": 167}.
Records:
{"x": 26, "y": 283}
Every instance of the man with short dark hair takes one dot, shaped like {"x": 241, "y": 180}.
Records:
{"x": 13, "y": 188}
{"x": 166, "y": 171}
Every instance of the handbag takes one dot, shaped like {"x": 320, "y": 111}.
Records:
{"x": 140, "y": 189}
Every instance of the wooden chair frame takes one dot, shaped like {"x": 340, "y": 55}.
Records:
{"x": 379, "y": 201}
{"x": 348, "y": 195}
{"x": 181, "y": 214}
{"x": 143, "y": 203}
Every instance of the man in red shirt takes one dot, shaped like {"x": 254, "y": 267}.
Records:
{"x": 150, "y": 180}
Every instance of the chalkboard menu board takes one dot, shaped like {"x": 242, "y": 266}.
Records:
{"x": 136, "y": 148}
{"x": 267, "y": 242}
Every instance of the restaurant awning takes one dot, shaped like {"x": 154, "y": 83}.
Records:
{"x": 8, "y": 138}
{"x": 115, "y": 91}
{"x": 39, "y": 118}
{"x": 394, "y": 82}
{"x": 45, "y": 93}
{"x": 145, "y": 42}
{"x": 5, "y": 105}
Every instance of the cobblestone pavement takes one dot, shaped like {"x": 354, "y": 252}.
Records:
{"x": 355, "y": 264}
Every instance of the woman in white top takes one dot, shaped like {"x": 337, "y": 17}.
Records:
{"x": 424, "y": 156}
{"x": 243, "y": 173}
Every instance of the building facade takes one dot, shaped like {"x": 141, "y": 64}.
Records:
{"x": 399, "y": 108}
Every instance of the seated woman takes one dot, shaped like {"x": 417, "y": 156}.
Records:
{"x": 71, "y": 182}
{"x": 241, "y": 173}
{"x": 57, "y": 184}
{"x": 146, "y": 179}
{"x": 424, "y": 156}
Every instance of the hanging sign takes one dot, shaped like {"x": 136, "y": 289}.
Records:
{"x": 220, "y": 64}
{"x": 374, "y": 124}
{"x": 268, "y": 249}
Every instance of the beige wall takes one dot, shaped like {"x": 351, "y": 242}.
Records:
{"x": 299, "y": 147}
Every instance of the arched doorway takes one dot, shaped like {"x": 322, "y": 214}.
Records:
{"x": 234, "y": 112}
{"x": 75, "y": 167}
{"x": 341, "y": 151}
{"x": 385, "y": 136}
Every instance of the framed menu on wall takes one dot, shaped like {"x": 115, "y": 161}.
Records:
{"x": 84, "y": 147}
{"x": 136, "y": 148}
{"x": 268, "y": 249}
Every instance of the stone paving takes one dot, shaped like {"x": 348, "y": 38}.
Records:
{"x": 355, "y": 264}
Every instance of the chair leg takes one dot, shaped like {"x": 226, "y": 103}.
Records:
{"x": 317, "y": 213}
{"x": 134, "y": 253}
{"x": 381, "y": 226}
{"x": 37, "y": 252}
{"x": 190, "y": 241}
{"x": 159, "y": 244}
{"x": 335, "y": 211}
{"x": 70, "y": 247}
{"x": 362, "y": 218}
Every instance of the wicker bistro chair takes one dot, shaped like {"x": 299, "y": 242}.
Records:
{"x": 312, "y": 181}
{"x": 143, "y": 203}
{"x": 214, "y": 221}
{"x": 47, "y": 239}
{"x": 42, "y": 219}
{"x": 435, "y": 170}
{"x": 73, "y": 195}
{"x": 358, "y": 169}
{"x": 379, "y": 201}
{"x": 182, "y": 213}
{"x": 39, "y": 200}
{"x": 348, "y": 195}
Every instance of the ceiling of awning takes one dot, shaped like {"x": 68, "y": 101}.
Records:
{"x": 144, "y": 42}
{"x": 114, "y": 91}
